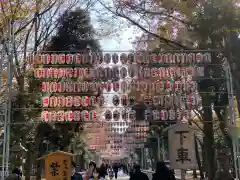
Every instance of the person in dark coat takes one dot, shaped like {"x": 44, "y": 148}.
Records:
{"x": 102, "y": 171}
{"x": 115, "y": 169}
{"x": 138, "y": 174}
{"x": 163, "y": 172}
{"x": 75, "y": 175}
{"x": 15, "y": 175}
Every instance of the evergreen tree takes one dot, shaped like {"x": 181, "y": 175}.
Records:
{"x": 74, "y": 35}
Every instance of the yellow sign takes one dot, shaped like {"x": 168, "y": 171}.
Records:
{"x": 58, "y": 166}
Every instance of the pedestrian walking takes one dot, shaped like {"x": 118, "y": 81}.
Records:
{"x": 15, "y": 175}
{"x": 137, "y": 174}
{"x": 89, "y": 172}
{"x": 115, "y": 168}
{"x": 163, "y": 172}
{"x": 75, "y": 175}
{"x": 96, "y": 174}
{"x": 102, "y": 171}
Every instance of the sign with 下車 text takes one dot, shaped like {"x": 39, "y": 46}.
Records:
{"x": 181, "y": 147}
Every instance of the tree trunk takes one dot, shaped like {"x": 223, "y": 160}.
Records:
{"x": 198, "y": 158}
{"x": 28, "y": 162}
{"x": 208, "y": 138}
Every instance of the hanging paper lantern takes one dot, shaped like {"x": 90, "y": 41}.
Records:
{"x": 124, "y": 86}
{"x": 123, "y": 72}
{"x": 155, "y": 100}
{"x": 45, "y": 116}
{"x": 69, "y": 101}
{"x": 53, "y": 101}
{"x": 116, "y": 115}
{"x": 85, "y": 115}
{"x": 85, "y": 101}
{"x": 49, "y": 72}
{"x": 159, "y": 86}
{"x": 132, "y": 115}
{"x": 124, "y": 100}
{"x": 190, "y": 58}
{"x": 169, "y": 86}
{"x": 179, "y": 115}
{"x": 115, "y": 58}
{"x": 45, "y": 101}
{"x": 187, "y": 114}
{"x": 164, "y": 115}
{"x": 68, "y": 116}
{"x": 123, "y": 58}
{"x": 108, "y": 86}
{"x": 108, "y": 115}
{"x": 193, "y": 86}
{"x": 199, "y": 58}
{"x": 183, "y": 72}
{"x": 45, "y": 86}
{"x": 154, "y": 72}
{"x": 177, "y": 86}
{"x": 60, "y": 116}
{"x": 124, "y": 115}
{"x": 38, "y": 73}
{"x": 93, "y": 101}
{"x": 116, "y": 73}
{"x": 53, "y": 116}
{"x": 93, "y": 115}
{"x": 101, "y": 100}
{"x": 207, "y": 58}
{"x": 116, "y": 86}
{"x": 115, "y": 100}
{"x": 69, "y": 58}
{"x": 155, "y": 115}
{"x": 172, "y": 114}
{"x": 107, "y": 58}
{"x": 77, "y": 101}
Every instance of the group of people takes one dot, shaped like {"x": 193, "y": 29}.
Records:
{"x": 162, "y": 172}
{"x": 94, "y": 173}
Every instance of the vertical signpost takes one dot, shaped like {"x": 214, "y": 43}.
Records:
{"x": 181, "y": 148}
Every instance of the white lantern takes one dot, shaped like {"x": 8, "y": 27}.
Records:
{"x": 164, "y": 115}
{"x": 77, "y": 101}
{"x": 115, "y": 58}
{"x": 199, "y": 58}
{"x": 60, "y": 116}
{"x": 69, "y": 101}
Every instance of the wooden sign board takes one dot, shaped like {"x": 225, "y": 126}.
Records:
{"x": 181, "y": 147}
{"x": 58, "y": 166}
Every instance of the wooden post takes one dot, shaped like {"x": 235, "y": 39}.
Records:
{"x": 58, "y": 165}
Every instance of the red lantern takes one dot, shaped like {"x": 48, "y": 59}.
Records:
{"x": 45, "y": 86}
{"x": 85, "y": 101}
{"x": 85, "y": 115}
{"x": 93, "y": 115}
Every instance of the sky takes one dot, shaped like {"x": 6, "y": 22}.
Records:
{"x": 112, "y": 44}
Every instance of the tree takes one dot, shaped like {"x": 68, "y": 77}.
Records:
{"x": 74, "y": 34}
{"x": 199, "y": 24}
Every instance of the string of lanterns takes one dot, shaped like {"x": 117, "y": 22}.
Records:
{"x": 136, "y": 85}
{"x": 124, "y": 58}
{"x": 117, "y": 73}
